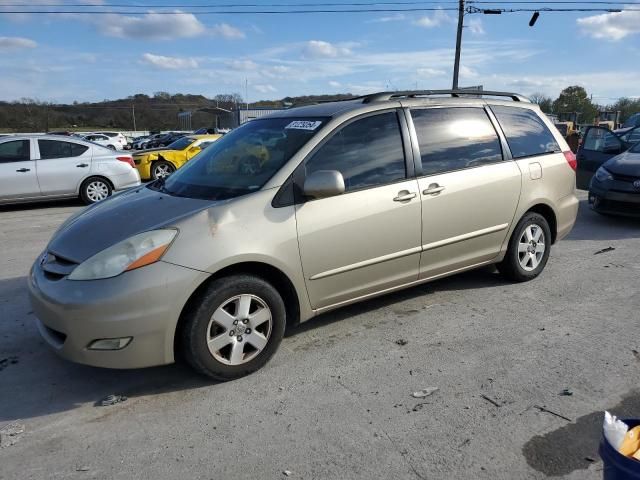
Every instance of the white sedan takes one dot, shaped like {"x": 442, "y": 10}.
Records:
{"x": 47, "y": 167}
{"x": 103, "y": 140}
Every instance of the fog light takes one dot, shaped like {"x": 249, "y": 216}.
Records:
{"x": 110, "y": 343}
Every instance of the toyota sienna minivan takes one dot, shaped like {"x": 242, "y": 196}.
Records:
{"x": 300, "y": 212}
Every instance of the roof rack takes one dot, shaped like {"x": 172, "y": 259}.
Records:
{"x": 382, "y": 96}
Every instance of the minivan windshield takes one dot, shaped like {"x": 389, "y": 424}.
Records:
{"x": 243, "y": 160}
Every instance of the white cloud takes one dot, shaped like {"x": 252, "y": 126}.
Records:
{"x": 335, "y": 84}
{"x": 440, "y": 17}
{"x": 467, "y": 72}
{"x": 475, "y": 26}
{"x": 15, "y": 43}
{"x": 168, "y": 63}
{"x": 243, "y": 65}
{"x": 430, "y": 72}
{"x": 265, "y": 88}
{"x": 151, "y": 26}
{"x": 390, "y": 18}
{"x": 321, "y": 49}
{"x": 611, "y": 26}
{"x": 227, "y": 31}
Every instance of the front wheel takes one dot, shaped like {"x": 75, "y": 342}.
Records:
{"x": 234, "y": 328}
{"x": 161, "y": 169}
{"x": 528, "y": 249}
{"x": 95, "y": 189}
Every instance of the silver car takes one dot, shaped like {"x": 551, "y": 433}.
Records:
{"x": 298, "y": 213}
{"x": 48, "y": 167}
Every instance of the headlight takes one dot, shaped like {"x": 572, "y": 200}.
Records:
{"x": 135, "y": 252}
{"x": 603, "y": 175}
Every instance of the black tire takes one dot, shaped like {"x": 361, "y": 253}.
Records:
{"x": 160, "y": 164}
{"x": 90, "y": 188}
{"x": 511, "y": 267}
{"x": 198, "y": 326}
{"x": 111, "y": 147}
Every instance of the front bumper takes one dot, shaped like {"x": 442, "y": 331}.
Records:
{"x": 614, "y": 202}
{"x": 144, "y": 304}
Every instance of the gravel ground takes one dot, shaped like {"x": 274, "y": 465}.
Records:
{"x": 335, "y": 402}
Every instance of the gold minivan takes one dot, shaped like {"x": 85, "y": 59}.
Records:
{"x": 345, "y": 201}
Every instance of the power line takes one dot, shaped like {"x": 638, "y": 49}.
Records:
{"x": 470, "y": 9}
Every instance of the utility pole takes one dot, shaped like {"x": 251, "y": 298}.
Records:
{"x": 456, "y": 65}
{"x": 133, "y": 114}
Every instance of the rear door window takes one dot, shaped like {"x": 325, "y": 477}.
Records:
{"x": 527, "y": 135}
{"x": 455, "y": 138}
{"x": 368, "y": 153}
{"x": 15, "y": 151}
{"x": 58, "y": 149}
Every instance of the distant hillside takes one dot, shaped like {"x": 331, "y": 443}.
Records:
{"x": 157, "y": 112}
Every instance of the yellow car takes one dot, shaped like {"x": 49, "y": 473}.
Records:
{"x": 162, "y": 162}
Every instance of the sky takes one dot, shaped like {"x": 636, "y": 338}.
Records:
{"x": 89, "y": 57}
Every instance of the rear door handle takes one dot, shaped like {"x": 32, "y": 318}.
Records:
{"x": 22, "y": 170}
{"x": 82, "y": 165}
{"x": 404, "y": 196}
{"x": 433, "y": 189}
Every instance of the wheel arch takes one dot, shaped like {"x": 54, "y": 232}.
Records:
{"x": 265, "y": 271}
{"x": 550, "y": 216}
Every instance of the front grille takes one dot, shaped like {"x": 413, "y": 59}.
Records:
{"x": 56, "y": 267}
{"x": 625, "y": 178}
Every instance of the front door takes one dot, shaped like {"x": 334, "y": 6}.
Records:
{"x": 17, "y": 171}
{"x": 62, "y": 165}
{"x": 367, "y": 239}
{"x": 469, "y": 193}
{"x": 598, "y": 146}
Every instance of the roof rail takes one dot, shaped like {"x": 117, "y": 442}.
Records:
{"x": 382, "y": 96}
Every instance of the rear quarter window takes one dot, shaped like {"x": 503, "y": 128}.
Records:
{"x": 527, "y": 135}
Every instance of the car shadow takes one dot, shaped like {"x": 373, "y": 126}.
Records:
{"x": 43, "y": 205}
{"x": 36, "y": 382}
{"x": 591, "y": 225}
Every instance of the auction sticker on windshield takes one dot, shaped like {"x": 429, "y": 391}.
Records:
{"x": 304, "y": 125}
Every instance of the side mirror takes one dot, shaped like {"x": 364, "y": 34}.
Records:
{"x": 324, "y": 183}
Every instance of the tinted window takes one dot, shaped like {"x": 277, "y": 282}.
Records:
{"x": 601, "y": 140}
{"x": 58, "y": 149}
{"x": 14, "y": 151}
{"x": 367, "y": 152}
{"x": 242, "y": 161}
{"x": 633, "y": 136}
{"x": 181, "y": 144}
{"x": 455, "y": 138}
{"x": 526, "y": 133}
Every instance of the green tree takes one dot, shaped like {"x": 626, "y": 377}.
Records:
{"x": 576, "y": 99}
{"x": 626, "y": 107}
{"x": 545, "y": 102}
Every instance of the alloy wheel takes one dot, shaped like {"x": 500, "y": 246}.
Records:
{"x": 531, "y": 247}
{"x": 239, "y": 329}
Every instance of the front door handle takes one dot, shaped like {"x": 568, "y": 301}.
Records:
{"x": 22, "y": 170}
{"x": 404, "y": 196}
{"x": 433, "y": 189}
{"x": 82, "y": 165}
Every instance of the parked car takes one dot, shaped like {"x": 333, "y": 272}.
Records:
{"x": 165, "y": 140}
{"x": 615, "y": 188}
{"x": 356, "y": 199}
{"x": 100, "y": 140}
{"x": 599, "y": 145}
{"x": 631, "y": 122}
{"x": 47, "y": 167}
{"x": 162, "y": 162}
{"x": 118, "y": 137}
{"x": 140, "y": 143}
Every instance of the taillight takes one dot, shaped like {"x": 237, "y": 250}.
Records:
{"x": 127, "y": 159}
{"x": 571, "y": 159}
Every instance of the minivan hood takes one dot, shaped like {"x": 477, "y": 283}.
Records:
{"x": 627, "y": 163}
{"x": 118, "y": 218}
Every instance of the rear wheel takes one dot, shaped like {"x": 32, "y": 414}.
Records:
{"x": 161, "y": 169}
{"x": 111, "y": 147}
{"x": 528, "y": 249}
{"x": 95, "y": 189}
{"x": 234, "y": 328}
